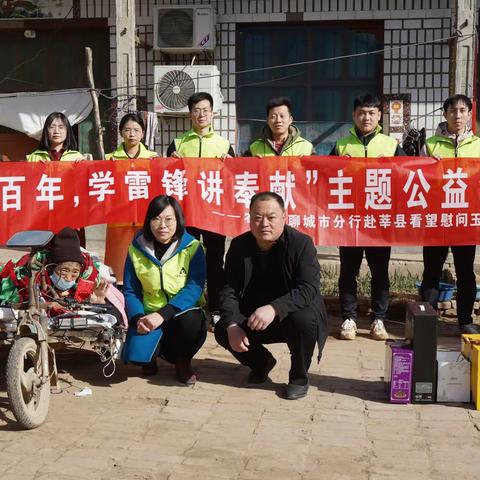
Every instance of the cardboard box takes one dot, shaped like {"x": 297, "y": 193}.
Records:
{"x": 468, "y": 340}
{"x": 421, "y": 329}
{"x": 453, "y": 377}
{"x": 475, "y": 375}
{"x": 398, "y": 371}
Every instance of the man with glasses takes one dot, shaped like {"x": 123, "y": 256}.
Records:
{"x": 202, "y": 142}
{"x": 272, "y": 295}
{"x": 453, "y": 138}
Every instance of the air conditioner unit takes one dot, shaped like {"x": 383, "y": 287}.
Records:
{"x": 175, "y": 83}
{"x": 184, "y": 29}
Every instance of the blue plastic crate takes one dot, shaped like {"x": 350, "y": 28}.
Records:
{"x": 446, "y": 291}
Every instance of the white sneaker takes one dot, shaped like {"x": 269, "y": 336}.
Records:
{"x": 348, "y": 329}
{"x": 377, "y": 330}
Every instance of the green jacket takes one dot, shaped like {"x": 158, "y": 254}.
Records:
{"x": 44, "y": 156}
{"x": 294, "y": 145}
{"x": 177, "y": 279}
{"x": 379, "y": 145}
{"x": 211, "y": 145}
{"x": 120, "y": 153}
{"x": 445, "y": 145}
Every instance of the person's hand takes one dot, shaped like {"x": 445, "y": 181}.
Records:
{"x": 57, "y": 308}
{"x": 436, "y": 157}
{"x": 237, "y": 338}
{"x": 223, "y": 156}
{"x": 261, "y": 318}
{"x": 100, "y": 291}
{"x": 176, "y": 155}
{"x": 258, "y": 155}
{"x": 149, "y": 322}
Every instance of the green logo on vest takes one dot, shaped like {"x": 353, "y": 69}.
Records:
{"x": 183, "y": 272}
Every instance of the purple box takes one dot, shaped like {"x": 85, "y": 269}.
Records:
{"x": 398, "y": 371}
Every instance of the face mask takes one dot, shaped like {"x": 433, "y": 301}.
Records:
{"x": 60, "y": 283}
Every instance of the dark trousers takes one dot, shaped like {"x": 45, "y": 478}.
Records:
{"x": 81, "y": 236}
{"x": 298, "y": 330}
{"x": 215, "y": 251}
{"x": 350, "y": 261}
{"x": 183, "y": 336}
{"x": 463, "y": 258}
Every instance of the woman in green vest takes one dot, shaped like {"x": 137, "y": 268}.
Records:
{"x": 163, "y": 286}
{"x": 132, "y": 129}
{"x": 120, "y": 235}
{"x": 57, "y": 141}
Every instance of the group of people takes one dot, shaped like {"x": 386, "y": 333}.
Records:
{"x": 268, "y": 291}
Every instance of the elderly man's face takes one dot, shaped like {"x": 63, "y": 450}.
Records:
{"x": 267, "y": 221}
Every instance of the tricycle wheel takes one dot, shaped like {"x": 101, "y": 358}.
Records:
{"x": 29, "y": 396}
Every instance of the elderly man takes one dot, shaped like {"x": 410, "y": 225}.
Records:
{"x": 272, "y": 295}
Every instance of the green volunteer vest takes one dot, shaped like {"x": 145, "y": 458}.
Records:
{"x": 443, "y": 147}
{"x": 160, "y": 284}
{"x": 211, "y": 145}
{"x": 43, "y": 156}
{"x": 120, "y": 153}
{"x": 379, "y": 145}
{"x": 299, "y": 146}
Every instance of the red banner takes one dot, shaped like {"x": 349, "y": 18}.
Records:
{"x": 336, "y": 200}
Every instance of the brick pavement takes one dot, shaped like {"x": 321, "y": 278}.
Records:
{"x": 137, "y": 428}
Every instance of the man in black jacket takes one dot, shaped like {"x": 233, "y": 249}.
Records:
{"x": 272, "y": 295}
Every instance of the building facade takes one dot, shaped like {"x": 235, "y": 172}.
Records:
{"x": 400, "y": 49}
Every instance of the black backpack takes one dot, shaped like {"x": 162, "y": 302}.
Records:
{"x": 413, "y": 142}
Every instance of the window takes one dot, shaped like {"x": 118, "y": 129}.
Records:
{"x": 322, "y": 93}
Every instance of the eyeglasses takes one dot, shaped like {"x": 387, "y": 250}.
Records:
{"x": 137, "y": 131}
{"x": 200, "y": 111}
{"x": 59, "y": 127}
{"x": 168, "y": 221}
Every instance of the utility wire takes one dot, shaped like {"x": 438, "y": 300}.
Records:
{"x": 31, "y": 59}
{"x": 309, "y": 62}
{"x": 259, "y": 69}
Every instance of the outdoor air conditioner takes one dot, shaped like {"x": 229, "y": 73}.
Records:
{"x": 175, "y": 83}
{"x": 184, "y": 29}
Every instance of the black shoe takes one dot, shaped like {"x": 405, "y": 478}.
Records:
{"x": 294, "y": 391}
{"x": 469, "y": 328}
{"x": 149, "y": 369}
{"x": 261, "y": 376}
{"x": 184, "y": 372}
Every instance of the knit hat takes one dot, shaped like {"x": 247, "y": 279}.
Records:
{"x": 65, "y": 247}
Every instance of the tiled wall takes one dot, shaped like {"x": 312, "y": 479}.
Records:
{"x": 421, "y": 71}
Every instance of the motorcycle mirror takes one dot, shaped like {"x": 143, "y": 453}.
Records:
{"x": 30, "y": 238}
